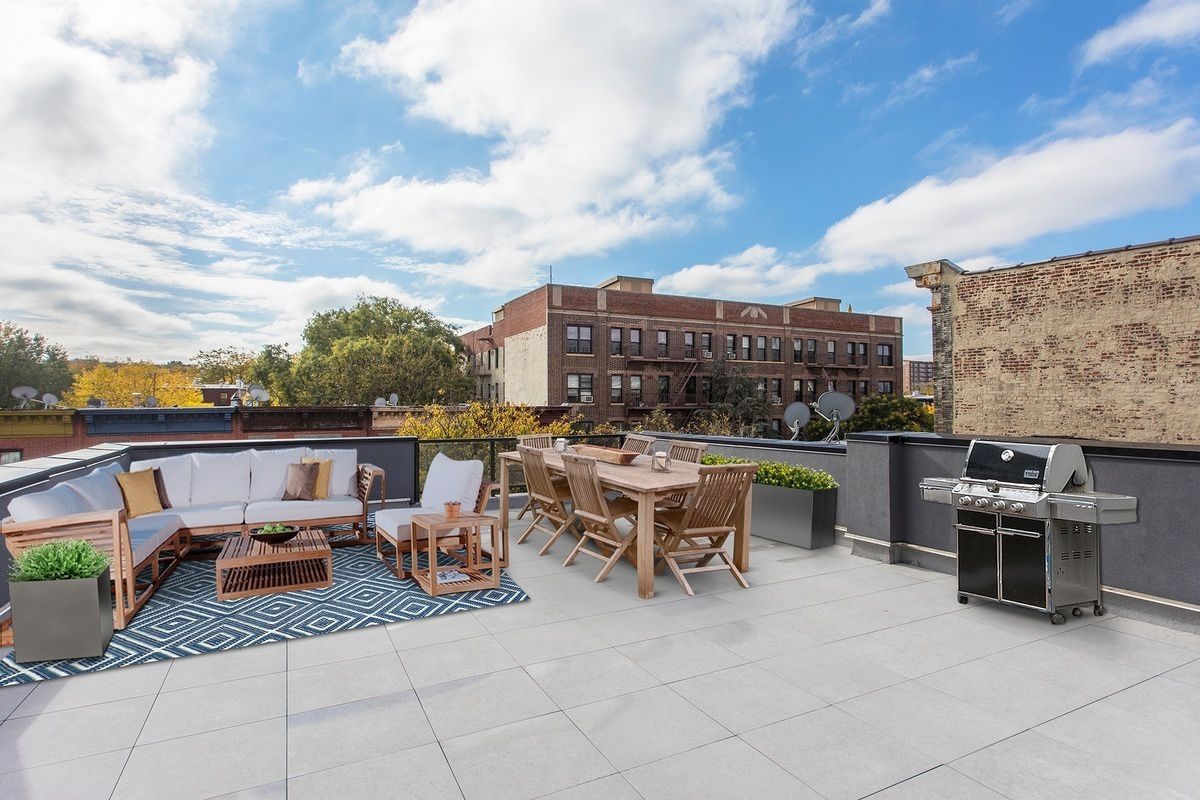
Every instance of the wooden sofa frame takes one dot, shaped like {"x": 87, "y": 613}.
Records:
{"x": 108, "y": 531}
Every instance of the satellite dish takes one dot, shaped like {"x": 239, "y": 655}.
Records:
{"x": 150, "y": 402}
{"x": 24, "y": 394}
{"x": 393, "y": 399}
{"x": 835, "y": 407}
{"x": 95, "y": 402}
{"x": 380, "y": 402}
{"x": 259, "y": 394}
{"x": 796, "y": 416}
{"x": 49, "y": 400}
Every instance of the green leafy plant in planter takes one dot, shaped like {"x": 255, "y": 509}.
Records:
{"x": 58, "y": 561}
{"x": 778, "y": 473}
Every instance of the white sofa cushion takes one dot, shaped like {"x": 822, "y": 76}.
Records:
{"x": 176, "y": 475}
{"x": 264, "y": 511}
{"x": 148, "y": 532}
{"x": 207, "y": 515}
{"x": 344, "y": 476}
{"x": 220, "y": 478}
{"x": 268, "y": 471}
{"x": 448, "y": 480}
{"x": 99, "y": 490}
{"x": 57, "y": 501}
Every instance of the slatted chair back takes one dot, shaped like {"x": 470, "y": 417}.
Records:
{"x": 541, "y": 441}
{"x": 690, "y": 452}
{"x": 637, "y": 443}
{"x": 537, "y": 475}
{"x": 717, "y": 496}
{"x": 587, "y": 498}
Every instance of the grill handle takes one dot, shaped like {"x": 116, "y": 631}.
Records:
{"x": 974, "y": 529}
{"x": 1026, "y": 534}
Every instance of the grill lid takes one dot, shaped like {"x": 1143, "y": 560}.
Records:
{"x": 1048, "y": 467}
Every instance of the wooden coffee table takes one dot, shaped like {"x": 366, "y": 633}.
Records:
{"x": 481, "y": 567}
{"x": 247, "y": 567}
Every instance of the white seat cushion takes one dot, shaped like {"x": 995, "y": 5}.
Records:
{"x": 448, "y": 480}
{"x": 264, "y": 511}
{"x": 176, "y": 475}
{"x": 343, "y": 479}
{"x": 57, "y": 501}
{"x": 268, "y": 471}
{"x": 220, "y": 478}
{"x": 206, "y": 515}
{"x": 397, "y": 522}
{"x": 99, "y": 490}
{"x": 148, "y": 532}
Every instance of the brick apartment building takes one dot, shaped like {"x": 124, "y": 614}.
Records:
{"x": 917, "y": 375}
{"x": 1099, "y": 345}
{"x": 617, "y": 350}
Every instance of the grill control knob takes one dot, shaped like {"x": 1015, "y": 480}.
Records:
{"x": 999, "y": 505}
{"x": 1017, "y": 508}
{"x": 981, "y": 503}
{"x": 964, "y": 501}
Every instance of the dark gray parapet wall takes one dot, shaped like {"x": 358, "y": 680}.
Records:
{"x": 396, "y": 455}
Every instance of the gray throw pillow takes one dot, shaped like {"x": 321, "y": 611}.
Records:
{"x": 301, "y": 482}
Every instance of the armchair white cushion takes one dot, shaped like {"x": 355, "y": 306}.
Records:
{"x": 220, "y": 478}
{"x": 448, "y": 480}
{"x": 99, "y": 489}
{"x": 57, "y": 501}
{"x": 343, "y": 479}
{"x": 176, "y": 474}
{"x": 268, "y": 471}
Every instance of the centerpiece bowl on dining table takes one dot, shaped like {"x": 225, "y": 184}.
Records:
{"x": 274, "y": 534}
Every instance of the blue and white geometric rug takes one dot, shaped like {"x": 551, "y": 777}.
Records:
{"x": 184, "y": 617}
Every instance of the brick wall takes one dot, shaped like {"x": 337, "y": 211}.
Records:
{"x": 1101, "y": 345}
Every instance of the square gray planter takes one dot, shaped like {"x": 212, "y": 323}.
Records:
{"x": 54, "y": 620}
{"x": 794, "y": 516}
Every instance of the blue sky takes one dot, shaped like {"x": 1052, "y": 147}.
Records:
{"x": 205, "y": 172}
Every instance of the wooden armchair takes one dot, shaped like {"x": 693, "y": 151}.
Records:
{"x": 597, "y": 515}
{"x": 637, "y": 443}
{"x": 548, "y": 498}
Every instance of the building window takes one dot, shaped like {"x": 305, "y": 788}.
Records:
{"x": 614, "y": 389}
{"x": 884, "y": 353}
{"x": 862, "y": 352}
{"x": 812, "y": 351}
{"x": 885, "y": 387}
{"x": 635, "y": 341}
{"x": 10, "y": 456}
{"x": 664, "y": 389}
{"x": 849, "y": 352}
{"x": 776, "y": 390}
{"x": 705, "y": 390}
{"x": 689, "y": 390}
{"x": 776, "y": 348}
{"x": 810, "y": 389}
{"x": 797, "y": 351}
{"x": 730, "y": 345}
{"x": 664, "y": 344}
{"x": 579, "y": 388}
{"x": 579, "y": 338}
{"x": 747, "y": 354}
{"x": 831, "y": 351}
{"x": 775, "y": 426}
{"x": 760, "y": 348}
{"x": 797, "y": 390}
{"x": 706, "y": 344}
{"x": 635, "y": 390}
{"x": 615, "y": 336}
{"x": 689, "y": 345}
{"x": 864, "y": 388}
{"x": 760, "y": 388}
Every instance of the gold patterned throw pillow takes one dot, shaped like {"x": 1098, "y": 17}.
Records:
{"x": 140, "y": 492}
{"x": 324, "y": 470}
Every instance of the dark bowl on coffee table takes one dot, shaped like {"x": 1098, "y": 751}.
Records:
{"x": 277, "y": 537}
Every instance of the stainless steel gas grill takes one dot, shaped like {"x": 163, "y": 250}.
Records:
{"x": 1027, "y": 519}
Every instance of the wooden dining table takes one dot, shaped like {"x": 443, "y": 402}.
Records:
{"x": 648, "y": 487}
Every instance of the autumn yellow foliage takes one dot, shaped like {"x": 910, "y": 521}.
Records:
{"x": 129, "y": 384}
{"x": 481, "y": 421}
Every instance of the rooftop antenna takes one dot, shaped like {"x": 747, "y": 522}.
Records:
{"x": 551, "y": 268}
{"x": 796, "y": 416}
{"x": 835, "y": 407}
{"x": 24, "y": 394}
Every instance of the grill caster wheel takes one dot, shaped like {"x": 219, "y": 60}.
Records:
{"x": 1099, "y": 611}
{"x": 1077, "y": 612}
{"x": 962, "y": 598}
{"x": 1057, "y": 619}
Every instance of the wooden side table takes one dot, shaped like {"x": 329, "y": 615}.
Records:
{"x": 247, "y": 567}
{"x": 481, "y": 567}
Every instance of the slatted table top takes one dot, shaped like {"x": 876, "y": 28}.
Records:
{"x": 245, "y": 550}
{"x": 635, "y": 477}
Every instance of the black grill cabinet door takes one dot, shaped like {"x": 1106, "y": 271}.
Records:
{"x": 977, "y": 562}
{"x": 1023, "y": 568}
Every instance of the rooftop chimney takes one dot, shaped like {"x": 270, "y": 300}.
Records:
{"x": 818, "y": 303}
{"x": 625, "y": 283}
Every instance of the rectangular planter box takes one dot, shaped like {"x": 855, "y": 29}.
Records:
{"x": 794, "y": 516}
{"x": 54, "y": 620}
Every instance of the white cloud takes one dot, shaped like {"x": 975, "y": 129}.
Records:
{"x": 816, "y": 36}
{"x": 926, "y": 79}
{"x": 1165, "y": 23}
{"x": 589, "y": 151}
{"x": 757, "y": 271}
{"x": 903, "y": 289}
{"x": 1013, "y": 10}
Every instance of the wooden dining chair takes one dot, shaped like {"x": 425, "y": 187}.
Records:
{"x": 547, "y": 497}
{"x": 539, "y": 441}
{"x": 597, "y": 515}
{"x": 637, "y": 443}
{"x": 691, "y": 537}
{"x": 690, "y": 452}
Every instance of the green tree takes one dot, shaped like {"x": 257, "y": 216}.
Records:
{"x": 272, "y": 370}
{"x": 27, "y": 359}
{"x": 879, "y": 412}
{"x": 735, "y": 397}
{"x": 223, "y": 364}
{"x": 377, "y": 347}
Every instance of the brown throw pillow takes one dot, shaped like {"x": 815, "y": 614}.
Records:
{"x": 161, "y": 486}
{"x": 324, "y": 470}
{"x": 301, "y": 482}
{"x": 140, "y": 492}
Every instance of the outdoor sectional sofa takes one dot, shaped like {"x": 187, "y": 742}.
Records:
{"x": 210, "y": 494}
